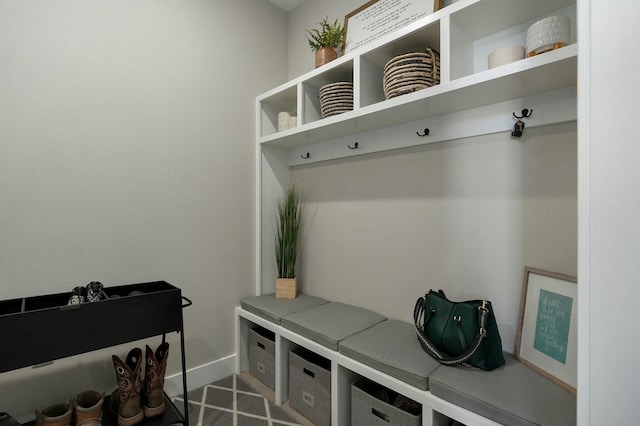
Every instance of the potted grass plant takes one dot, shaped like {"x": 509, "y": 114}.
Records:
{"x": 289, "y": 211}
{"x": 325, "y": 41}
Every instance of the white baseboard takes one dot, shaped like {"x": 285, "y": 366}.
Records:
{"x": 201, "y": 375}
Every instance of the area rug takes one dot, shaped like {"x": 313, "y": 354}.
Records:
{"x": 233, "y": 402}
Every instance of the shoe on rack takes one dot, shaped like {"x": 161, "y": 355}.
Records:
{"x": 7, "y": 420}
{"x": 153, "y": 393}
{"x": 95, "y": 292}
{"x": 87, "y": 408}
{"x": 78, "y": 296}
{"x": 125, "y": 400}
{"x": 55, "y": 415}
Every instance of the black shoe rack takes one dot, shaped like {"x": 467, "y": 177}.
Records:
{"x": 42, "y": 329}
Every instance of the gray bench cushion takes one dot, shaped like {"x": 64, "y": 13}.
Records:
{"x": 512, "y": 394}
{"x": 330, "y": 323}
{"x": 393, "y": 348}
{"x": 272, "y": 309}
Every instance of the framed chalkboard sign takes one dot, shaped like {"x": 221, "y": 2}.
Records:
{"x": 547, "y": 334}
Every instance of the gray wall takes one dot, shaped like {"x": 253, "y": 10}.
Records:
{"x": 307, "y": 16}
{"x": 466, "y": 216}
{"x": 127, "y": 155}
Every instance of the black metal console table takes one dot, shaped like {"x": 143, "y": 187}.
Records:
{"x": 33, "y": 325}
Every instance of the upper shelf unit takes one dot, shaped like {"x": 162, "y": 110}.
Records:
{"x": 464, "y": 33}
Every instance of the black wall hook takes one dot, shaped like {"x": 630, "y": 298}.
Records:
{"x": 426, "y": 133}
{"x": 305, "y": 156}
{"x": 355, "y": 146}
{"x": 525, "y": 113}
{"x": 518, "y": 129}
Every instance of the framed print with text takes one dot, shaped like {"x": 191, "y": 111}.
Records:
{"x": 547, "y": 339}
{"x": 377, "y": 18}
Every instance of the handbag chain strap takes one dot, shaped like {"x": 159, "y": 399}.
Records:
{"x": 430, "y": 348}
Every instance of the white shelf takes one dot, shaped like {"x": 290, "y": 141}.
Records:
{"x": 516, "y": 80}
{"x": 464, "y": 33}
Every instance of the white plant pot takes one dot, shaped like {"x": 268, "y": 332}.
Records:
{"x": 547, "y": 33}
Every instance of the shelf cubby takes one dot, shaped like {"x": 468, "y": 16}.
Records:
{"x": 372, "y": 63}
{"x": 283, "y": 100}
{"x": 464, "y": 33}
{"x": 311, "y": 89}
{"x": 480, "y": 28}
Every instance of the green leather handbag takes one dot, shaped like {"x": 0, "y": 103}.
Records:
{"x": 458, "y": 332}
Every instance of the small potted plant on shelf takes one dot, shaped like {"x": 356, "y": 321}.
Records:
{"x": 325, "y": 41}
{"x": 289, "y": 210}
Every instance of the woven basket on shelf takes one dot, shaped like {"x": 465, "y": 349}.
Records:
{"x": 411, "y": 72}
{"x": 336, "y": 98}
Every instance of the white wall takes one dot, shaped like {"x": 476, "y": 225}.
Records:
{"x": 127, "y": 155}
{"x": 609, "y": 204}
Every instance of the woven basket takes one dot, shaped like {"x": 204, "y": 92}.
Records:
{"x": 336, "y": 98}
{"x": 411, "y": 72}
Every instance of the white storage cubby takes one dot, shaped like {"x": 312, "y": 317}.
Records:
{"x": 311, "y": 89}
{"x": 372, "y": 62}
{"x": 464, "y": 33}
{"x": 281, "y": 100}
{"x": 476, "y": 30}
{"x": 344, "y": 372}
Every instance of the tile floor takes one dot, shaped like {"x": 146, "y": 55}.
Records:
{"x": 237, "y": 400}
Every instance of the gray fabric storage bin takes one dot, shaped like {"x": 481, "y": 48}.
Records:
{"x": 262, "y": 356}
{"x": 310, "y": 385}
{"x": 373, "y": 404}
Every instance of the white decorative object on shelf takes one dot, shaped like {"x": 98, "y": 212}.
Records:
{"x": 546, "y": 33}
{"x": 293, "y": 121}
{"x": 284, "y": 121}
{"x": 505, "y": 55}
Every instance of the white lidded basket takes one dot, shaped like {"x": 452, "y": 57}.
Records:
{"x": 546, "y": 33}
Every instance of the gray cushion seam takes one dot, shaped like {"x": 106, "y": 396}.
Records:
{"x": 358, "y": 332}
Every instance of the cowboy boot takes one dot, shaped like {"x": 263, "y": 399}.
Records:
{"x": 153, "y": 394}
{"x": 55, "y": 415}
{"x": 87, "y": 408}
{"x": 7, "y": 420}
{"x": 125, "y": 401}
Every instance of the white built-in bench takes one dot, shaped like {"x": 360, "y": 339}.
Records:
{"x": 360, "y": 342}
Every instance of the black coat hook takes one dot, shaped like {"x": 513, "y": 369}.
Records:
{"x": 305, "y": 156}
{"x": 426, "y": 133}
{"x": 518, "y": 129}
{"x": 355, "y": 146}
{"x": 524, "y": 114}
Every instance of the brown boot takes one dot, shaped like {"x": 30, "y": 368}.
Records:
{"x": 7, "y": 420}
{"x": 127, "y": 395}
{"x": 87, "y": 408}
{"x": 55, "y": 415}
{"x": 153, "y": 394}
